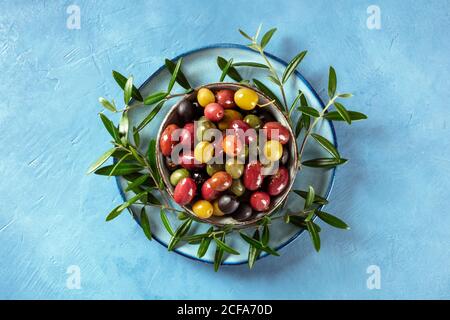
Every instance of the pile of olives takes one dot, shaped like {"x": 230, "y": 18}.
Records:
{"x": 216, "y": 174}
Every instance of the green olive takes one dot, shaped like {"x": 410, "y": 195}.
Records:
{"x": 234, "y": 168}
{"x": 237, "y": 187}
{"x": 177, "y": 175}
{"x": 202, "y": 127}
{"x": 213, "y": 168}
{"x": 253, "y": 121}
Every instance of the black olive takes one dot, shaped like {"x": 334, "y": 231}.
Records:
{"x": 186, "y": 110}
{"x": 284, "y": 157}
{"x": 265, "y": 116}
{"x": 244, "y": 212}
{"x": 200, "y": 177}
{"x": 170, "y": 164}
{"x": 228, "y": 204}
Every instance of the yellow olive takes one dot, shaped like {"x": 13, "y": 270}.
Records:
{"x": 229, "y": 116}
{"x": 216, "y": 210}
{"x": 205, "y": 97}
{"x": 273, "y": 150}
{"x": 204, "y": 151}
{"x": 203, "y": 209}
{"x": 246, "y": 98}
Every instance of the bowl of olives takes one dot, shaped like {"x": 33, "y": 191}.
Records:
{"x": 227, "y": 154}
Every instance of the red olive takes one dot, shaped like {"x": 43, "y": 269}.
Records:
{"x": 185, "y": 191}
{"x": 260, "y": 201}
{"x": 208, "y": 193}
{"x": 243, "y": 129}
{"x": 187, "y": 161}
{"x": 253, "y": 177}
{"x": 276, "y": 131}
{"x": 225, "y": 98}
{"x": 278, "y": 182}
{"x": 220, "y": 181}
{"x": 187, "y": 135}
{"x": 214, "y": 112}
{"x": 166, "y": 142}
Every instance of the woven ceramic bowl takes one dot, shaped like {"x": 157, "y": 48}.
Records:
{"x": 292, "y": 167}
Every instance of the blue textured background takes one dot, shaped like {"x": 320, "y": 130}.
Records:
{"x": 394, "y": 192}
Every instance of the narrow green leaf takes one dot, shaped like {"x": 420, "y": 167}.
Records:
{"x": 101, "y": 160}
{"x": 122, "y": 169}
{"x": 174, "y": 75}
{"x": 309, "y": 111}
{"x": 136, "y": 137}
{"x": 317, "y": 199}
{"x": 303, "y": 122}
{"x": 226, "y": 247}
{"x": 335, "y": 116}
{"x": 218, "y": 256}
{"x": 181, "y": 78}
{"x": 225, "y": 70}
{"x": 110, "y": 127}
{"x": 250, "y": 64}
{"x": 314, "y": 235}
{"x": 332, "y": 82}
{"x": 145, "y": 224}
{"x": 111, "y": 106}
{"x": 332, "y": 220}
{"x": 232, "y": 72}
{"x": 345, "y": 95}
{"x": 138, "y": 182}
{"x": 150, "y": 116}
{"x": 151, "y": 155}
{"x": 343, "y": 112}
{"x": 310, "y": 197}
{"x": 127, "y": 90}
{"x": 117, "y": 164}
{"x": 293, "y": 65}
{"x": 261, "y": 86}
{"x": 324, "y": 162}
{"x": 245, "y": 35}
{"x": 326, "y": 144}
{"x": 258, "y": 244}
{"x": 179, "y": 233}
{"x": 122, "y": 80}
{"x": 204, "y": 246}
{"x": 267, "y": 36}
{"x": 253, "y": 252}
{"x": 123, "y": 125}
{"x": 265, "y": 235}
{"x": 166, "y": 222}
{"x": 274, "y": 80}
{"x": 155, "y": 97}
{"x": 118, "y": 210}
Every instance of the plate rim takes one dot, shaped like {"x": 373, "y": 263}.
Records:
{"x": 302, "y": 79}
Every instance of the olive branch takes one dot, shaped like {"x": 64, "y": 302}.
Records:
{"x": 144, "y": 180}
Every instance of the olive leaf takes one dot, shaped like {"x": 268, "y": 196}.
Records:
{"x": 151, "y": 155}
{"x": 332, "y": 82}
{"x": 138, "y": 182}
{"x": 118, "y": 163}
{"x": 327, "y": 145}
{"x": 225, "y": 247}
{"x": 245, "y": 35}
{"x": 261, "y": 86}
{"x": 317, "y": 199}
{"x": 127, "y": 90}
{"x": 179, "y": 233}
{"x": 335, "y": 116}
{"x": 266, "y": 37}
{"x": 110, "y": 127}
{"x": 345, "y": 95}
{"x": 136, "y": 137}
{"x": 343, "y": 112}
{"x": 166, "y": 222}
{"x": 303, "y": 122}
{"x": 204, "y": 244}
{"x": 145, "y": 224}
{"x": 332, "y": 220}
{"x": 150, "y": 116}
{"x": 324, "y": 162}
{"x": 123, "y": 169}
{"x": 101, "y": 160}
{"x": 265, "y": 235}
{"x": 225, "y": 70}
{"x": 309, "y": 111}
{"x": 155, "y": 97}
{"x": 218, "y": 256}
{"x": 119, "y": 209}
{"x": 250, "y": 64}
{"x": 175, "y": 73}
{"x": 123, "y": 127}
{"x": 258, "y": 244}
{"x": 253, "y": 252}
{"x": 292, "y": 66}
{"x": 314, "y": 235}
{"x": 231, "y": 72}
{"x": 310, "y": 197}
{"x": 111, "y": 106}
{"x": 122, "y": 80}
{"x": 181, "y": 78}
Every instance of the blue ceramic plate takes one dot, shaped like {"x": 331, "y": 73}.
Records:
{"x": 200, "y": 68}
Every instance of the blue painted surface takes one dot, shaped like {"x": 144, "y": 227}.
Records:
{"x": 393, "y": 192}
